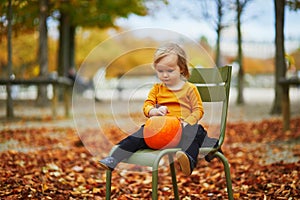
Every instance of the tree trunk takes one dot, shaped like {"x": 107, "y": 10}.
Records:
{"x": 72, "y": 47}
{"x": 280, "y": 65}
{"x": 9, "y": 101}
{"x": 64, "y": 49}
{"x": 64, "y": 42}
{"x": 42, "y": 99}
{"x": 240, "y": 83}
{"x": 218, "y": 30}
{"x": 218, "y": 49}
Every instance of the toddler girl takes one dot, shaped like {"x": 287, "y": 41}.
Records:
{"x": 173, "y": 96}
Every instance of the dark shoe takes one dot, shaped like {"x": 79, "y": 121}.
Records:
{"x": 210, "y": 157}
{"x": 108, "y": 163}
{"x": 186, "y": 163}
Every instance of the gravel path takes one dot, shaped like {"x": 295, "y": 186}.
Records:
{"x": 87, "y": 113}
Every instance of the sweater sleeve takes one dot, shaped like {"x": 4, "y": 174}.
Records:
{"x": 151, "y": 101}
{"x": 197, "y": 110}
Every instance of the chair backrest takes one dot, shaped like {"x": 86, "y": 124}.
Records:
{"x": 214, "y": 85}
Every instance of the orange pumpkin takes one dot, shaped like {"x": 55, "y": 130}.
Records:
{"x": 162, "y": 132}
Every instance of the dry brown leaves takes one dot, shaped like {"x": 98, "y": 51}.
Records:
{"x": 51, "y": 163}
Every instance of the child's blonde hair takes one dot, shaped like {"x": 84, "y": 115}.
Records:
{"x": 172, "y": 48}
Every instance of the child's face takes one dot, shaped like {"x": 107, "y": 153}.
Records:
{"x": 168, "y": 70}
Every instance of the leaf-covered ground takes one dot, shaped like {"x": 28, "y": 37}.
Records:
{"x": 52, "y": 163}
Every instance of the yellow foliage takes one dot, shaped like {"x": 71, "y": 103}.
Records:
{"x": 131, "y": 60}
{"x": 97, "y": 48}
{"x": 258, "y": 66}
{"x": 296, "y": 56}
{"x": 36, "y": 70}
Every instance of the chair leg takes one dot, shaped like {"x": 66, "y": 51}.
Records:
{"x": 173, "y": 174}
{"x": 227, "y": 174}
{"x": 108, "y": 184}
{"x": 154, "y": 183}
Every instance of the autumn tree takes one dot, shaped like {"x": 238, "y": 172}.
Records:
{"x": 43, "y": 50}
{"x": 13, "y": 19}
{"x": 23, "y": 21}
{"x": 95, "y": 13}
{"x": 280, "y": 64}
{"x": 29, "y": 14}
{"x": 9, "y": 105}
{"x": 24, "y": 17}
{"x": 218, "y": 21}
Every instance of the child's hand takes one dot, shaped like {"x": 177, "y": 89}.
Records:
{"x": 161, "y": 111}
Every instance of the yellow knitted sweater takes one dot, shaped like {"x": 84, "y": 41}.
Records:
{"x": 184, "y": 103}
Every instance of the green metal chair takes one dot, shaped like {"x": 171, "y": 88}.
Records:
{"x": 214, "y": 86}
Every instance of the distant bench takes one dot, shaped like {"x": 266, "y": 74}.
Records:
{"x": 285, "y": 84}
{"x": 63, "y": 82}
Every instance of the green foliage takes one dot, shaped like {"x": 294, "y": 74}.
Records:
{"x": 82, "y": 13}
{"x": 101, "y": 13}
{"x": 293, "y": 4}
{"x": 25, "y": 13}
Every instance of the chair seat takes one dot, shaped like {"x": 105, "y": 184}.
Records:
{"x": 150, "y": 157}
